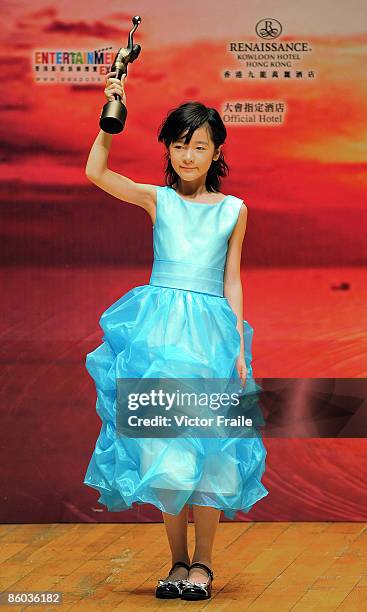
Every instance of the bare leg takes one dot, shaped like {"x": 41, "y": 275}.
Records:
{"x": 176, "y": 528}
{"x": 206, "y": 522}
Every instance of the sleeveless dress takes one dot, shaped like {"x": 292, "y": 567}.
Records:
{"x": 179, "y": 325}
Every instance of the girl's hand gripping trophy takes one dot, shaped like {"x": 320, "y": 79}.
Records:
{"x": 114, "y": 112}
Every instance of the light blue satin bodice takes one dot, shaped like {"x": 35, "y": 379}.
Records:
{"x": 190, "y": 241}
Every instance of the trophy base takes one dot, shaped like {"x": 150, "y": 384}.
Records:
{"x": 113, "y": 117}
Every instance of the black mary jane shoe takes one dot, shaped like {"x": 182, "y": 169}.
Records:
{"x": 170, "y": 589}
{"x": 198, "y": 590}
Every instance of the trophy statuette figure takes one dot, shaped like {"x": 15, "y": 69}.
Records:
{"x": 113, "y": 115}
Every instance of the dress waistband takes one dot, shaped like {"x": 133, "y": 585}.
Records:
{"x": 184, "y": 275}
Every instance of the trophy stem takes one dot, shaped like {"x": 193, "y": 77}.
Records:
{"x": 113, "y": 116}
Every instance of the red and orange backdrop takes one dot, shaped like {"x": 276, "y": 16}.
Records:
{"x": 289, "y": 82}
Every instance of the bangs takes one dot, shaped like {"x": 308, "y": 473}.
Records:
{"x": 184, "y": 122}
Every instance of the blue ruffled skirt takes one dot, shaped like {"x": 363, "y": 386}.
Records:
{"x": 155, "y": 332}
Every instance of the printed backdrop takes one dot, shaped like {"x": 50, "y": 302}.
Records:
{"x": 289, "y": 82}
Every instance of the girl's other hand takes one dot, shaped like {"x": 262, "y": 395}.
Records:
{"x": 241, "y": 369}
{"x": 115, "y": 86}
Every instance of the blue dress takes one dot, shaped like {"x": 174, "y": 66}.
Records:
{"x": 179, "y": 325}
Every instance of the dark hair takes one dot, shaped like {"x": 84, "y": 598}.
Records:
{"x": 191, "y": 116}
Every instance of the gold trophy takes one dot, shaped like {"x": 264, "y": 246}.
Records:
{"x": 113, "y": 115}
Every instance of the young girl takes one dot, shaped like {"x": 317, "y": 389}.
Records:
{"x": 187, "y": 322}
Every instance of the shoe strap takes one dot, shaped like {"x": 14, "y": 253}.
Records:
{"x": 179, "y": 563}
{"x": 198, "y": 564}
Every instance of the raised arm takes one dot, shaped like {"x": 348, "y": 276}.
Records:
{"x": 117, "y": 185}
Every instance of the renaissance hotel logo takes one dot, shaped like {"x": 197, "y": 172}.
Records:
{"x": 71, "y": 66}
{"x": 267, "y": 58}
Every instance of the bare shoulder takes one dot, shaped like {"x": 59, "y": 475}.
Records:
{"x": 239, "y": 230}
{"x": 243, "y": 210}
{"x": 233, "y": 260}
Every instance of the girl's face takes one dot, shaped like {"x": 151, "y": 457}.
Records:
{"x": 193, "y": 160}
